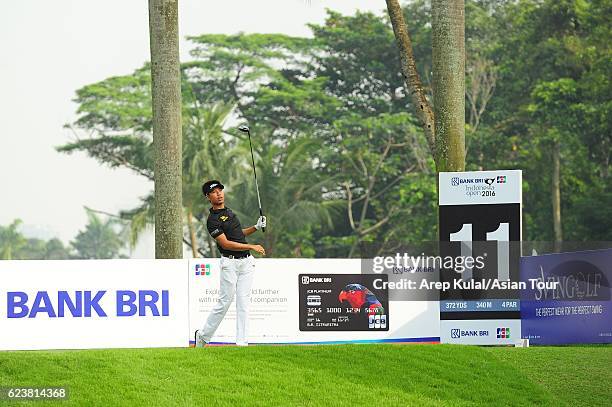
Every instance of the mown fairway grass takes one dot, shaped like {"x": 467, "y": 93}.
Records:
{"x": 351, "y": 375}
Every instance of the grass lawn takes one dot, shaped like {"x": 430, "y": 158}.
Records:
{"x": 351, "y": 375}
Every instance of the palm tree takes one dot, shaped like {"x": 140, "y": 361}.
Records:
{"x": 99, "y": 240}
{"x": 11, "y": 241}
{"x": 448, "y": 65}
{"x": 166, "y": 97}
{"x": 205, "y": 153}
{"x": 205, "y": 156}
{"x": 443, "y": 124}
{"x": 291, "y": 186}
{"x": 139, "y": 218}
{"x": 291, "y": 192}
{"x": 416, "y": 91}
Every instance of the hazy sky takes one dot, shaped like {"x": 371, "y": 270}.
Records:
{"x": 52, "y": 48}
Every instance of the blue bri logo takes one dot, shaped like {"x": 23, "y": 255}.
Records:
{"x": 86, "y": 304}
{"x": 457, "y": 333}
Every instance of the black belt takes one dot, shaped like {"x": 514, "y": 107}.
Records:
{"x": 236, "y": 256}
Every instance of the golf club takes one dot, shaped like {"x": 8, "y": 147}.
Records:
{"x": 245, "y": 129}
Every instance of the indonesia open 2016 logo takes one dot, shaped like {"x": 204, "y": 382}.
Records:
{"x": 202, "y": 270}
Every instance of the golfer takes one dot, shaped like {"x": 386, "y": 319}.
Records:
{"x": 237, "y": 265}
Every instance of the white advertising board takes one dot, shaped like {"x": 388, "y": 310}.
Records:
{"x": 480, "y": 187}
{"x": 83, "y": 304}
{"x": 479, "y": 214}
{"x": 79, "y": 304}
{"x": 481, "y": 332}
{"x": 275, "y": 309}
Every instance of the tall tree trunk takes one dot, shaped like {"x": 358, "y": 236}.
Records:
{"x": 166, "y": 91}
{"x": 412, "y": 80}
{"x": 445, "y": 127}
{"x": 556, "y": 194}
{"x": 448, "y": 63}
{"x": 192, "y": 235}
{"x": 212, "y": 248}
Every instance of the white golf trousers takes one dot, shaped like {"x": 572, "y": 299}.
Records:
{"x": 236, "y": 280}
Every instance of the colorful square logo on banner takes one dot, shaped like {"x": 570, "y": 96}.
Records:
{"x": 501, "y": 179}
{"x": 202, "y": 269}
{"x": 503, "y": 333}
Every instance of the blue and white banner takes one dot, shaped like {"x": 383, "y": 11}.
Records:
{"x": 80, "y": 304}
{"x": 297, "y": 301}
{"x": 480, "y": 217}
{"x": 567, "y": 298}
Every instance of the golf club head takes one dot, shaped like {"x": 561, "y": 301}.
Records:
{"x": 244, "y": 129}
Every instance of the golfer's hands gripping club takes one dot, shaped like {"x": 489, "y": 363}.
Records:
{"x": 261, "y": 223}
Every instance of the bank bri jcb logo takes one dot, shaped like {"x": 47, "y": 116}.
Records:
{"x": 377, "y": 321}
{"x": 503, "y": 333}
{"x": 202, "y": 270}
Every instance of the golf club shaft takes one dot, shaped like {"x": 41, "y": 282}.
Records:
{"x": 255, "y": 173}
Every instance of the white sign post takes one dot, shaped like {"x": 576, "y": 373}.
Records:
{"x": 481, "y": 212}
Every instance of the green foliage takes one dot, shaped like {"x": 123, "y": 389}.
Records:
{"x": 232, "y": 67}
{"x": 117, "y": 116}
{"x": 418, "y": 194}
{"x": 116, "y": 104}
{"x": 15, "y": 246}
{"x": 11, "y": 241}
{"x": 340, "y": 161}
{"x": 99, "y": 240}
{"x": 554, "y": 70}
{"x": 291, "y": 189}
{"x": 37, "y": 249}
{"x": 361, "y": 62}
